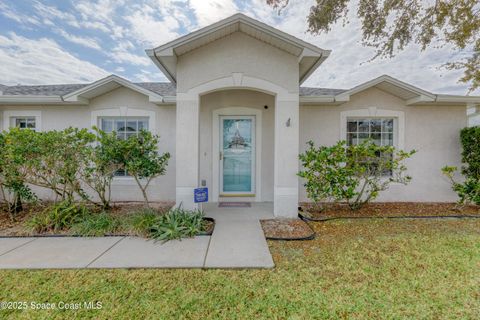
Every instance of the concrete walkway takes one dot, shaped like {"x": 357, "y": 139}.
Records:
{"x": 237, "y": 242}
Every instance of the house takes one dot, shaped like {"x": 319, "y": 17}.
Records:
{"x": 235, "y": 116}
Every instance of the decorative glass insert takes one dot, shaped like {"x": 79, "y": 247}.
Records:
{"x": 25, "y": 123}
{"x": 124, "y": 127}
{"x": 237, "y": 153}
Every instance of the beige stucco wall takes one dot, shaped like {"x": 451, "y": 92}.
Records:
{"x": 431, "y": 130}
{"x": 237, "y": 53}
{"x": 246, "y": 99}
{"x": 125, "y": 189}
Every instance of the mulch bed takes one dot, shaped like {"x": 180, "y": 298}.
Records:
{"x": 392, "y": 209}
{"x": 287, "y": 229}
{"x": 9, "y": 228}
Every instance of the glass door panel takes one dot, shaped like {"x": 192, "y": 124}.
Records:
{"x": 237, "y": 154}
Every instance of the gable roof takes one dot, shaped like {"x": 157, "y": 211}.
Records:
{"x": 310, "y": 56}
{"x": 393, "y": 86}
{"x": 108, "y": 84}
{"x": 410, "y": 94}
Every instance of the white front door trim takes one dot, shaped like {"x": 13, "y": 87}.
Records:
{"x": 236, "y": 111}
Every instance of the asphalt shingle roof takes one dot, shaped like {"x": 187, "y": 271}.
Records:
{"x": 161, "y": 88}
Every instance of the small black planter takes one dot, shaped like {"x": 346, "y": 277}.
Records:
{"x": 209, "y": 232}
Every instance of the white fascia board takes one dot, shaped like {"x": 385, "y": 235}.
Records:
{"x": 239, "y": 18}
{"x": 458, "y": 98}
{"x": 345, "y": 96}
{"x": 317, "y": 99}
{"x": 159, "y": 64}
{"x": 323, "y": 56}
{"x": 22, "y": 99}
{"x": 169, "y": 99}
{"x": 76, "y": 95}
{"x": 419, "y": 99}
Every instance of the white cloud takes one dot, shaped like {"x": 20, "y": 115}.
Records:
{"x": 83, "y": 41}
{"x": 121, "y": 54}
{"x": 48, "y": 13}
{"x": 210, "y": 11}
{"x": 151, "y": 29}
{"x": 148, "y": 76}
{"x": 100, "y": 15}
{"x": 14, "y": 15}
{"x": 40, "y": 61}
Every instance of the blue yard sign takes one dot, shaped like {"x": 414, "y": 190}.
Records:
{"x": 200, "y": 195}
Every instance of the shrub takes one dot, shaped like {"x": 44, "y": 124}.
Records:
{"x": 55, "y": 160}
{"x": 59, "y": 216}
{"x": 13, "y": 150}
{"x": 178, "y": 223}
{"x": 373, "y": 168}
{"x": 140, "y": 157}
{"x": 468, "y": 190}
{"x": 354, "y": 174}
{"x": 325, "y": 173}
{"x": 100, "y": 164}
{"x": 96, "y": 225}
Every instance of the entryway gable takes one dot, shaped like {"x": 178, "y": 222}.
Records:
{"x": 307, "y": 57}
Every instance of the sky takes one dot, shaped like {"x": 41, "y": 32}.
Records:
{"x": 79, "y": 41}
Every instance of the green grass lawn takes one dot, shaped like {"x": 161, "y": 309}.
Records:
{"x": 371, "y": 269}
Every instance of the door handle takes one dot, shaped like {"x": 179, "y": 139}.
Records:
{"x": 221, "y": 155}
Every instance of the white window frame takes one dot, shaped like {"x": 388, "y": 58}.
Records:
{"x": 374, "y": 112}
{"x": 123, "y": 112}
{"x": 10, "y": 115}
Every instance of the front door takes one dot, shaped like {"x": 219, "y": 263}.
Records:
{"x": 237, "y": 156}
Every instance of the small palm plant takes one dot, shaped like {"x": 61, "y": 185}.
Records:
{"x": 178, "y": 223}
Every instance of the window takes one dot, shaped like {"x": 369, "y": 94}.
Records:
{"x": 124, "y": 127}
{"x": 379, "y": 130}
{"x": 24, "y": 123}
{"x": 23, "y": 119}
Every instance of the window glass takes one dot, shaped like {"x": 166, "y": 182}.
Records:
{"x": 379, "y": 130}
{"x": 25, "y": 122}
{"x": 124, "y": 127}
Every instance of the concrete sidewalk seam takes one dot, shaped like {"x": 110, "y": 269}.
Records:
{"x": 100, "y": 255}
{"x": 23, "y": 244}
{"x": 206, "y": 253}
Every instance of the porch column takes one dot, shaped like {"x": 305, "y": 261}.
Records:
{"x": 186, "y": 149}
{"x": 286, "y": 156}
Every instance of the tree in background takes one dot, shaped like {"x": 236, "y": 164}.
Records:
{"x": 391, "y": 25}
